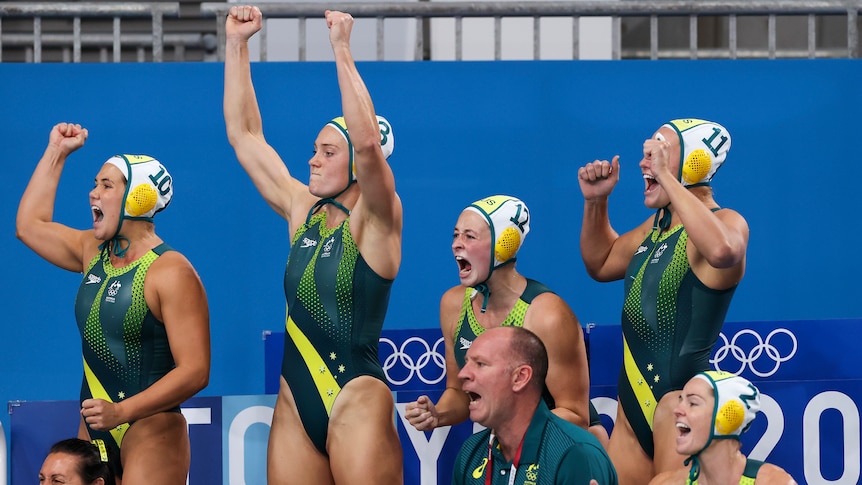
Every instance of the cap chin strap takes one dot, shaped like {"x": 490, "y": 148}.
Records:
{"x": 662, "y": 219}
{"x": 694, "y": 472}
{"x": 114, "y": 245}
{"x": 483, "y": 286}
{"x": 329, "y": 200}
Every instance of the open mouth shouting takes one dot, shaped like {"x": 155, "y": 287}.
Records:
{"x": 97, "y": 214}
{"x": 474, "y": 399}
{"x": 464, "y": 267}
{"x": 684, "y": 431}
{"x": 650, "y": 183}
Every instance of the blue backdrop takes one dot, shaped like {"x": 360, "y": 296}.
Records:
{"x": 463, "y": 131}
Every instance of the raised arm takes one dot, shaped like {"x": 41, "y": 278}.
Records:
{"x": 34, "y": 225}
{"x": 176, "y": 295}
{"x": 377, "y": 218}
{"x": 606, "y": 254}
{"x": 719, "y": 238}
{"x": 243, "y": 120}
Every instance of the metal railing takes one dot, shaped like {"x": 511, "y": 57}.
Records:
{"x": 76, "y": 39}
{"x": 729, "y": 11}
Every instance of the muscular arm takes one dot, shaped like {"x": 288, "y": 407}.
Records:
{"x": 176, "y": 296}
{"x": 244, "y": 125}
{"x": 720, "y": 237}
{"x": 717, "y": 240}
{"x": 606, "y": 254}
{"x": 377, "y": 216}
{"x": 34, "y": 225}
{"x": 568, "y": 381}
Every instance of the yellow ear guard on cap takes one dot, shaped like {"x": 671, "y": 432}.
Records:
{"x": 736, "y": 403}
{"x": 509, "y": 220}
{"x": 149, "y": 186}
{"x": 703, "y": 147}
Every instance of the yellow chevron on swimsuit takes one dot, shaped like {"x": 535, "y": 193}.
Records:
{"x": 327, "y": 387}
{"x": 98, "y": 391}
{"x": 640, "y": 386}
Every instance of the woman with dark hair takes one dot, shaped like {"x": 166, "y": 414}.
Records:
{"x": 78, "y": 462}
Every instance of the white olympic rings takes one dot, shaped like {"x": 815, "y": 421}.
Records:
{"x": 762, "y": 346}
{"x": 415, "y": 367}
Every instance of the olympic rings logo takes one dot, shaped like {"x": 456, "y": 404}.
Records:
{"x": 761, "y": 347}
{"x": 428, "y": 358}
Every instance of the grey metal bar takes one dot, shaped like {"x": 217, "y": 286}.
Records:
{"x": 812, "y": 36}
{"x": 692, "y": 36}
{"x": 420, "y": 36}
{"x": 98, "y": 40}
{"x": 716, "y": 53}
{"x": 576, "y": 38}
{"x": 76, "y": 42}
{"x": 537, "y": 38}
{"x": 616, "y": 38}
{"x": 158, "y": 33}
{"x": 653, "y": 37}
{"x": 853, "y": 33}
{"x": 303, "y": 43}
{"x": 37, "y": 39}
{"x": 770, "y": 34}
{"x": 459, "y": 38}
{"x": 498, "y": 38}
{"x": 605, "y": 8}
{"x": 380, "y": 39}
{"x": 87, "y": 9}
{"x": 731, "y": 36}
{"x": 117, "y": 44}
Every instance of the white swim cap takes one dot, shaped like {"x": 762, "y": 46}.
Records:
{"x": 509, "y": 220}
{"x": 736, "y": 403}
{"x": 149, "y": 186}
{"x": 387, "y": 140}
{"x": 703, "y": 147}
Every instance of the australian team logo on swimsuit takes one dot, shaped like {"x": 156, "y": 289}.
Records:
{"x": 112, "y": 291}
{"x": 327, "y": 247}
{"x": 658, "y": 253}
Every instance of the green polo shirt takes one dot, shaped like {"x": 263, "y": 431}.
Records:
{"x": 554, "y": 452}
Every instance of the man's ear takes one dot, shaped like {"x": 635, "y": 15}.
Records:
{"x": 522, "y": 376}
